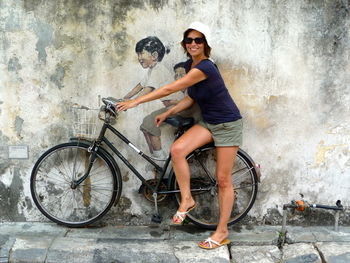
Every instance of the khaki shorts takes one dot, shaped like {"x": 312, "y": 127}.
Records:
{"x": 225, "y": 134}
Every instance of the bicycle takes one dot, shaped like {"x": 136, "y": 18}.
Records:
{"x": 76, "y": 183}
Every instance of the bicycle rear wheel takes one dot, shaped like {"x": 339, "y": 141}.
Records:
{"x": 52, "y": 191}
{"x": 205, "y": 190}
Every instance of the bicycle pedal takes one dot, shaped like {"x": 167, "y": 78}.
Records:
{"x": 156, "y": 218}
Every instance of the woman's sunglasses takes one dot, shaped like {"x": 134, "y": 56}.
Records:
{"x": 197, "y": 40}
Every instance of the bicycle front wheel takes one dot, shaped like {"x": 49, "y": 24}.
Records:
{"x": 59, "y": 200}
{"x": 204, "y": 187}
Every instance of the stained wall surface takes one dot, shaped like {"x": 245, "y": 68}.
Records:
{"x": 286, "y": 64}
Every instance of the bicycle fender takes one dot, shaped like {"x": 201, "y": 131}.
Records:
{"x": 257, "y": 167}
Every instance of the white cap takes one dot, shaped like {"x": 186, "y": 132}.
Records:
{"x": 204, "y": 29}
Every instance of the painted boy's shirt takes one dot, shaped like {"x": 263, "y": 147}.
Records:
{"x": 157, "y": 77}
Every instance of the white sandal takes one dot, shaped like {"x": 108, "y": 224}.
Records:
{"x": 211, "y": 242}
{"x": 182, "y": 215}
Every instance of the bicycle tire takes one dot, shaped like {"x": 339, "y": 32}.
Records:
{"x": 51, "y": 190}
{"x": 244, "y": 178}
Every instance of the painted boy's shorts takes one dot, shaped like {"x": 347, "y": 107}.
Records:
{"x": 225, "y": 134}
{"x": 148, "y": 123}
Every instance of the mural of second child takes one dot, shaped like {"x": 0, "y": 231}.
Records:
{"x": 151, "y": 131}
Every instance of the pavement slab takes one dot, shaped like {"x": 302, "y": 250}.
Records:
{"x": 186, "y": 251}
{"x": 122, "y": 232}
{"x": 261, "y": 254}
{"x": 30, "y": 228}
{"x": 255, "y": 236}
{"x": 317, "y": 234}
{"x": 300, "y": 253}
{"x": 110, "y": 250}
{"x": 6, "y": 245}
{"x": 334, "y": 252}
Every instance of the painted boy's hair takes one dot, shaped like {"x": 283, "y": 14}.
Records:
{"x": 151, "y": 44}
{"x": 180, "y": 65}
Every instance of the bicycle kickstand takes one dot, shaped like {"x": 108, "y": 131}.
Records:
{"x": 156, "y": 216}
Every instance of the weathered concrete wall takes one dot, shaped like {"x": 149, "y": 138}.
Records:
{"x": 286, "y": 64}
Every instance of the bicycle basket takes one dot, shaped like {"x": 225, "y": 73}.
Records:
{"x": 86, "y": 124}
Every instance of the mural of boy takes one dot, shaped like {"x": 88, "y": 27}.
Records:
{"x": 151, "y": 132}
{"x": 150, "y": 52}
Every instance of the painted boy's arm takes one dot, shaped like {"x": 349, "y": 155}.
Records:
{"x": 145, "y": 91}
{"x": 133, "y": 92}
{"x": 193, "y": 77}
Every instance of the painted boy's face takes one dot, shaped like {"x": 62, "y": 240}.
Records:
{"x": 179, "y": 73}
{"x": 146, "y": 59}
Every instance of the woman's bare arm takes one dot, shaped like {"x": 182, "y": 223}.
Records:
{"x": 185, "y": 103}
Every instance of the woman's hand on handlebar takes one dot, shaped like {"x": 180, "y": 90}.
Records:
{"x": 124, "y": 105}
{"x": 160, "y": 118}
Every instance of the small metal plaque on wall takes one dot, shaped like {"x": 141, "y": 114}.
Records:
{"x": 18, "y": 152}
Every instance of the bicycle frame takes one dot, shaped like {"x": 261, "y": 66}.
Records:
{"x": 101, "y": 138}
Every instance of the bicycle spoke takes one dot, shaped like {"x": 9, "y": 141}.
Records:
{"x": 57, "y": 180}
{"x": 96, "y": 190}
{"x": 97, "y": 202}
{"x": 100, "y": 188}
{"x": 96, "y": 173}
{"x": 58, "y": 175}
{"x": 57, "y": 201}
{"x": 101, "y": 193}
{"x": 62, "y": 163}
{"x": 245, "y": 187}
{"x": 74, "y": 164}
{"x": 44, "y": 185}
{"x": 243, "y": 174}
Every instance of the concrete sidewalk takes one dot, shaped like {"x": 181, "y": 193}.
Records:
{"x": 48, "y": 242}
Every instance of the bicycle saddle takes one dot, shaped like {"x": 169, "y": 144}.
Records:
{"x": 180, "y": 122}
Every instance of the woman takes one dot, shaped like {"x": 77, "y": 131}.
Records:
{"x": 222, "y": 123}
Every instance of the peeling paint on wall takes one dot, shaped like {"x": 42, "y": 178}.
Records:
{"x": 44, "y": 32}
{"x": 14, "y": 64}
{"x": 10, "y": 197}
{"x": 58, "y": 76}
{"x": 18, "y": 125}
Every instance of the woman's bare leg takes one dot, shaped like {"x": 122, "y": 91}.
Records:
{"x": 195, "y": 137}
{"x": 224, "y": 166}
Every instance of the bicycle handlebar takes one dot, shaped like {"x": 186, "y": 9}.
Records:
{"x": 110, "y": 105}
